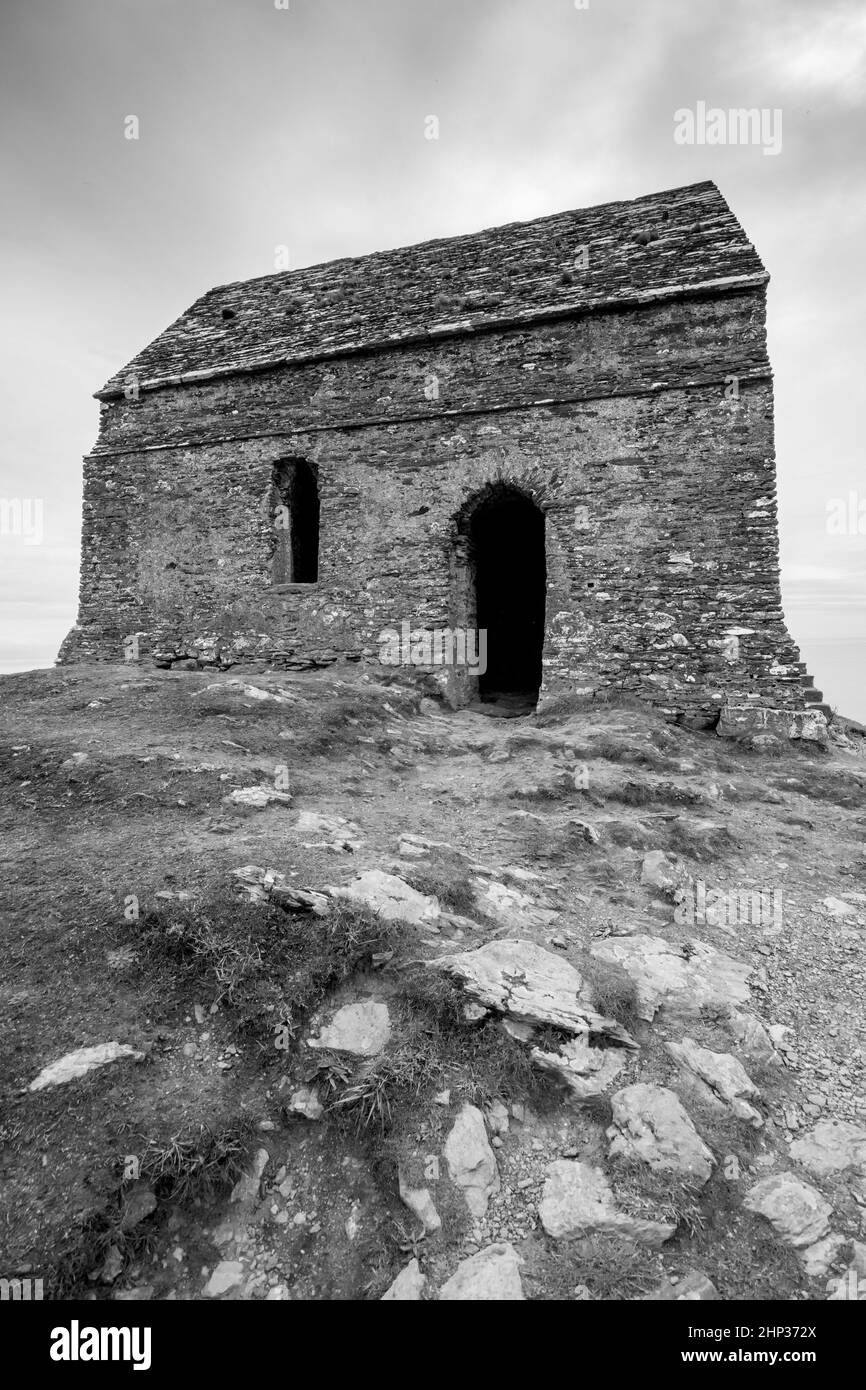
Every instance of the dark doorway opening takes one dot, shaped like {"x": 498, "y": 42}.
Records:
{"x": 295, "y": 495}
{"x": 507, "y": 543}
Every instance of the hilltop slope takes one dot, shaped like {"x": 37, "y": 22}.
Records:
{"x": 280, "y": 1029}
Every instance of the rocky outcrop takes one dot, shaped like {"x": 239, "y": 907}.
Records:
{"x": 471, "y": 1161}
{"x": 83, "y": 1060}
{"x": 650, "y": 1123}
{"x": 751, "y": 1037}
{"x": 419, "y": 1201}
{"x": 530, "y": 985}
{"x": 390, "y": 897}
{"x": 331, "y": 832}
{"x": 269, "y": 885}
{"x": 408, "y": 1287}
{"x": 578, "y": 1201}
{"x": 509, "y": 906}
{"x": 831, "y": 1147}
{"x": 718, "y": 1079}
{"x": 245, "y": 1192}
{"x": 491, "y": 1275}
{"x": 797, "y": 1212}
{"x": 258, "y": 798}
{"x": 362, "y": 1029}
{"x": 586, "y": 1071}
{"x": 693, "y": 1287}
{"x": 682, "y": 980}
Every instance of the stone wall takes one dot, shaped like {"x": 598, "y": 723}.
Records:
{"x": 654, "y": 468}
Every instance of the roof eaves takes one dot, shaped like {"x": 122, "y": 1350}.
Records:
{"x": 457, "y": 328}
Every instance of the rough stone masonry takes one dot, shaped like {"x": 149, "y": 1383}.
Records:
{"x": 560, "y": 431}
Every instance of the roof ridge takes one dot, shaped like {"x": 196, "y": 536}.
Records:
{"x": 580, "y": 260}
{"x": 545, "y": 218}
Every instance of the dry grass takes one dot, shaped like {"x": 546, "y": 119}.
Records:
{"x": 434, "y": 1048}
{"x": 194, "y": 1165}
{"x": 607, "y": 1267}
{"x": 613, "y": 992}
{"x": 269, "y": 967}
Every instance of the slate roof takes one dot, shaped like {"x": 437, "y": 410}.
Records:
{"x": 681, "y": 240}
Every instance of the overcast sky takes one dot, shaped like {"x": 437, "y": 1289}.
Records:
{"x": 306, "y": 127}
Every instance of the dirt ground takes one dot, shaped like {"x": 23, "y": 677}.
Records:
{"x": 115, "y": 788}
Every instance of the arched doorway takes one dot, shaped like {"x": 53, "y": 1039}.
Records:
{"x": 507, "y": 585}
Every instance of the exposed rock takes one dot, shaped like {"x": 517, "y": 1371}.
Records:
{"x": 694, "y": 1287}
{"x": 520, "y": 1032}
{"x": 680, "y": 979}
{"x": 264, "y": 885}
{"x": 111, "y": 1267}
{"x": 258, "y": 797}
{"x": 820, "y": 1257}
{"x": 390, "y": 897}
{"x": 419, "y": 1202}
{"x": 237, "y": 688}
{"x": 797, "y": 1212}
{"x": 837, "y": 907}
{"x": 471, "y": 1161}
{"x": 305, "y": 1101}
{"x": 455, "y": 925}
{"x": 139, "y": 1200}
{"x": 418, "y": 846}
{"x": 227, "y": 1275}
{"x": 496, "y": 1115}
{"x": 246, "y": 1190}
{"x": 492, "y": 1275}
{"x": 509, "y": 906}
{"x": 362, "y": 1028}
{"x": 584, "y": 829}
{"x": 650, "y": 1123}
{"x": 578, "y": 1201}
{"x": 530, "y": 985}
{"x": 751, "y": 1037}
{"x": 831, "y": 1147}
{"x": 750, "y": 720}
{"x": 783, "y": 1039}
{"x": 587, "y": 1071}
{"x": 338, "y": 833}
{"x": 718, "y": 1078}
{"x": 408, "y": 1287}
{"x": 78, "y": 1063}
{"x": 658, "y": 870}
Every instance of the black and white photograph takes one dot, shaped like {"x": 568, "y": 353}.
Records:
{"x": 432, "y": 672}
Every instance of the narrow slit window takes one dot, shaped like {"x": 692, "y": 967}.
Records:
{"x": 295, "y": 506}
